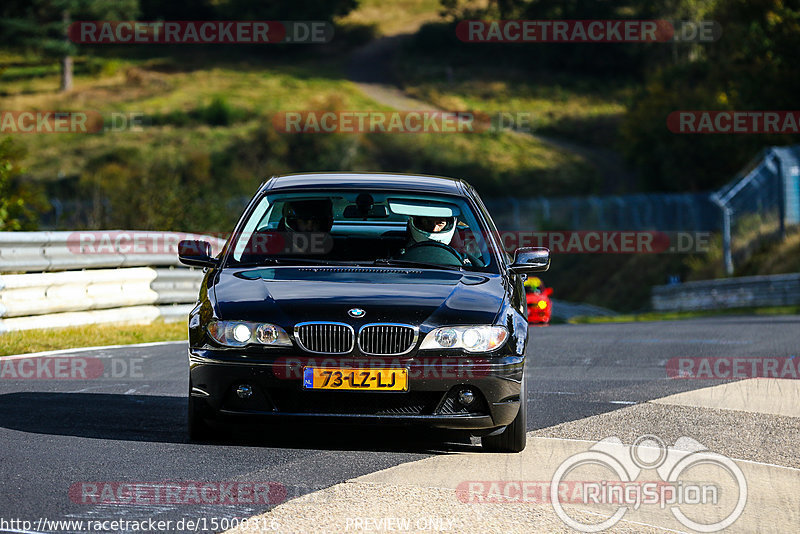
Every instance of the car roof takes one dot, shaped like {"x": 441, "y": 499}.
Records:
{"x": 365, "y": 180}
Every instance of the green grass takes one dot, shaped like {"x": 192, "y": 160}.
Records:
{"x": 757, "y": 251}
{"x": 577, "y": 112}
{"x": 255, "y": 91}
{"x": 177, "y": 96}
{"x": 89, "y": 336}
{"x": 581, "y": 109}
{"x": 679, "y": 315}
{"x": 395, "y": 17}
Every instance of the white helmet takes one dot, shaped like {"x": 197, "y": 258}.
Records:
{"x": 422, "y": 229}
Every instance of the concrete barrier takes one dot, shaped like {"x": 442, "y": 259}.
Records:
{"x": 741, "y": 292}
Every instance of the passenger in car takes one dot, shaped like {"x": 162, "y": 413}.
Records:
{"x": 307, "y": 216}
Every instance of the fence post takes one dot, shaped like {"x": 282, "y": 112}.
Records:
{"x": 726, "y": 233}
{"x": 781, "y": 195}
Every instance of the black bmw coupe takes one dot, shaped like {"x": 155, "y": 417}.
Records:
{"x": 363, "y": 297}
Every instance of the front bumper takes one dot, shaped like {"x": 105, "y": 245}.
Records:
{"x": 431, "y": 399}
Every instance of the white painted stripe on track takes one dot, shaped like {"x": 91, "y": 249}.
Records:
{"x": 593, "y": 441}
{"x": 638, "y": 523}
{"x": 90, "y": 349}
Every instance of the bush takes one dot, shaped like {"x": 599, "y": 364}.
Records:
{"x": 164, "y": 189}
{"x": 219, "y": 113}
{"x": 20, "y": 203}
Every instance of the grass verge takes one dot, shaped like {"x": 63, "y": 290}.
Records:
{"x": 391, "y": 18}
{"x": 206, "y": 111}
{"x": 89, "y": 336}
{"x": 672, "y": 316}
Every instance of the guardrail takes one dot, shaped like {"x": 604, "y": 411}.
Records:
{"x": 742, "y": 292}
{"x": 141, "y": 286}
{"x": 59, "y": 251}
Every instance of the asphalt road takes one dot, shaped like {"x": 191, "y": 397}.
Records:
{"x": 129, "y": 426}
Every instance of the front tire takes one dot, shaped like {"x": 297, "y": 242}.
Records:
{"x": 513, "y": 438}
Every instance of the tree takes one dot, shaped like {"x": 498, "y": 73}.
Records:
{"x": 752, "y": 67}
{"x": 41, "y": 25}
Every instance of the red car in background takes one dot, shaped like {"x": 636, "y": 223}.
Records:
{"x": 539, "y": 304}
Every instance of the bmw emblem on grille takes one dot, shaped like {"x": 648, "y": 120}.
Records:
{"x": 356, "y": 312}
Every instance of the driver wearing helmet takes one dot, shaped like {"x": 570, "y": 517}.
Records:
{"x": 439, "y": 229}
{"x": 429, "y": 240}
{"x": 533, "y": 285}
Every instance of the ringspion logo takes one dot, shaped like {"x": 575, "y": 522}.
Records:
{"x": 720, "y": 499}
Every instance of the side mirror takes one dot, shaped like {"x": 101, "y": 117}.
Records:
{"x": 530, "y": 260}
{"x": 196, "y": 253}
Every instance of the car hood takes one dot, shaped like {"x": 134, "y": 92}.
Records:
{"x": 289, "y": 295}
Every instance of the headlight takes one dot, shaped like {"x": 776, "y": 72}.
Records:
{"x": 241, "y": 333}
{"x": 470, "y": 338}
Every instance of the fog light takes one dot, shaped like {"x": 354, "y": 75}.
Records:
{"x": 244, "y": 391}
{"x": 466, "y": 397}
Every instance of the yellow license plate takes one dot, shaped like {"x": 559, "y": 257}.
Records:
{"x": 355, "y": 379}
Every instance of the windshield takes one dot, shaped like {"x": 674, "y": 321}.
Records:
{"x": 377, "y": 228}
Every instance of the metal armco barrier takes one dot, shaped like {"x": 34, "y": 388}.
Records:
{"x": 743, "y": 292}
{"x": 140, "y": 288}
{"x": 60, "y": 251}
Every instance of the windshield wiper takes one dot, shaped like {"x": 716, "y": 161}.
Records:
{"x": 389, "y": 261}
{"x": 291, "y": 260}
